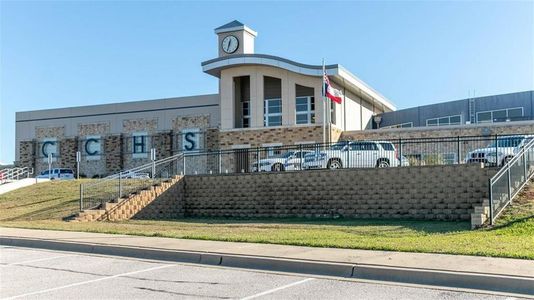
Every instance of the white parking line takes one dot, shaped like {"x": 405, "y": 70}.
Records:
{"x": 278, "y": 289}
{"x": 35, "y": 260}
{"x": 88, "y": 281}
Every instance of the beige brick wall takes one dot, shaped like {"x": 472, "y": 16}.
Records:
{"x": 431, "y": 192}
{"x": 196, "y": 121}
{"x": 133, "y": 125}
{"x": 446, "y": 131}
{"x": 257, "y": 137}
{"x": 49, "y": 132}
{"x": 93, "y": 129}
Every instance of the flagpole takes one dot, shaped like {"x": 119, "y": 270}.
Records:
{"x": 324, "y": 105}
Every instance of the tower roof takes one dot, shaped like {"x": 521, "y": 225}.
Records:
{"x": 235, "y": 25}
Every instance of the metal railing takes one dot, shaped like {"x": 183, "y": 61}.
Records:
{"x": 125, "y": 183}
{"x": 15, "y": 174}
{"x": 490, "y": 150}
{"x": 510, "y": 180}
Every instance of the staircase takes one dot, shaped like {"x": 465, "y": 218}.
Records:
{"x": 128, "y": 207}
{"x": 481, "y": 214}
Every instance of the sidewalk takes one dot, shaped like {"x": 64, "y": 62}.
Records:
{"x": 421, "y": 268}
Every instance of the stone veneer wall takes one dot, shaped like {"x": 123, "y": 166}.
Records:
{"x": 93, "y": 129}
{"x": 431, "y": 192}
{"x": 50, "y": 132}
{"x": 91, "y": 166}
{"x": 195, "y": 121}
{"x": 113, "y": 148}
{"x": 27, "y": 154}
{"x": 445, "y": 131}
{"x": 257, "y": 137}
{"x": 163, "y": 143}
{"x": 68, "y": 149}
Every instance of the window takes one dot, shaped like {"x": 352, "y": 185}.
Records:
{"x": 444, "y": 121}
{"x": 401, "y": 125}
{"x": 514, "y": 113}
{"x": 305, "y": 110}
{"x": 484, "y": 117}
{"x": 272, "y": 112}
{"x": 246, "y": 114}
{"x": 332, "y": 112}
{"x": 500, "y": 115}
{"x": 139, "y": 144}
{"x": 387, "y": 146}
{"x": 363, "y": 146}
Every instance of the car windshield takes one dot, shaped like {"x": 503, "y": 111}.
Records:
{"x": 507, "y": 142}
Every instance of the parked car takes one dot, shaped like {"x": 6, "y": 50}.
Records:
{"x": 499, "y": 152}
{"x": 290, "y": 160}
{"x": 57, "y": 174}
{"x": 135, "y": 175}
{"x": 358, "y": 154}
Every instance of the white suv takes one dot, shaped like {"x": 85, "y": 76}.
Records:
{"x": 58, "y": 174}
{"x": 499, "y": 152}
{"x": 359, "y": 154}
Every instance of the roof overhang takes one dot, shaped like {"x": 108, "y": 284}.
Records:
{"x": 338, "y": 73}
{"x": 236, "y": 28}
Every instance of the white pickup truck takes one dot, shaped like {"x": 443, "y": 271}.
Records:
{"x": 358, "y": 154}
{"x": 499, "y": 152}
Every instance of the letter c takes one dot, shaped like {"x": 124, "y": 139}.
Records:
{"x": 87, "y": 143}
{"x": 45, "y": 146}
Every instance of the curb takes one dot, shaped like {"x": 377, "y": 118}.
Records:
{"x": 487, "y": 282}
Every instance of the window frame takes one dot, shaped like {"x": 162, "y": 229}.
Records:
{"x": 144, "y": 139}
{"x": 267, "y": 114}
{"x": 309, "y": 112}
{"x": 399, "y": 125}
{"x": 500, "y": 109}
{"x": 243, "y": 116}
{"x": 438, "y": 124}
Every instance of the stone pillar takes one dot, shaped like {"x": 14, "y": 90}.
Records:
{"x": 27, "y": 154}
{"x": 113, "y": 151}
{"x": 212, "y": 144}
{"x": 163, "y": 144}
{"x": 67, "y": 152}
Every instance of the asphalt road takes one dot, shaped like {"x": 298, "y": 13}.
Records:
{"x": 41, "y": 274}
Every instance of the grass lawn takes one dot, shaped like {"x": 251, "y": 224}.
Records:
{"x": 45, "y": 205}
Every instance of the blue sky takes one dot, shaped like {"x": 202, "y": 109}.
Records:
{"x": 58, "y": 54}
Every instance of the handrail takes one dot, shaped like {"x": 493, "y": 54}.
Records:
{"x": 508, "y": 164}
{"x": 136, "y": 169}
{"x": 124, "y": 183}
{"x": 16, "y": 173}
{"x": 512, "y": 188}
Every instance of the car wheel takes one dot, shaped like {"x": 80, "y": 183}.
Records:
{"x": 277, "y": 167}
{"x": 382, "y": 163}
{"x": 334, "y": 164}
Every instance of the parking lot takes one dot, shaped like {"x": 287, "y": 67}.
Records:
{"x": 41, "y": 274}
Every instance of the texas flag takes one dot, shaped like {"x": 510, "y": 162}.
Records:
{"x": 330, "y": 92}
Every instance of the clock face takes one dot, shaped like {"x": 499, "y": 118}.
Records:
{"x": 230, "y": 44}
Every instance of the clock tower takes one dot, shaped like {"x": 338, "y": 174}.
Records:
{"x": 235, "y": 38}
